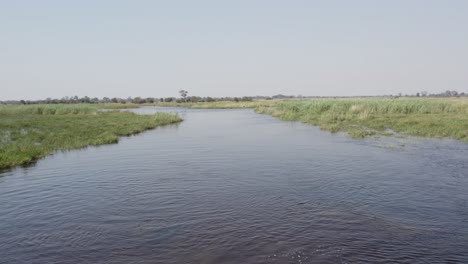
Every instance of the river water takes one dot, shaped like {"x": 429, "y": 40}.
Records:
{"x": 232, "y": 186}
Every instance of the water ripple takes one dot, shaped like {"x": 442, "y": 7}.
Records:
{"x": 231, "y": 186}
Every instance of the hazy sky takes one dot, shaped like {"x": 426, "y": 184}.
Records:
{"x": 231, "y": 48}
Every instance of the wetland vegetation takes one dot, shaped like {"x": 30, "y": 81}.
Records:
{"x": 221, "y": 104}
{"x": 361, "y": 117}
{"x": 30, "y": 132}
{"x": 364, "y": 117}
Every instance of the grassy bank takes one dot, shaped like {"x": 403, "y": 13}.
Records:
{"x": 428, "y": 117}
{"x": 30, "y": 132}
{"x": 221, "y": 104}
{"x": 361, "y": 117}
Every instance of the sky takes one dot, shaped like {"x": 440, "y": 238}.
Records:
{"x": 217, "y": 48}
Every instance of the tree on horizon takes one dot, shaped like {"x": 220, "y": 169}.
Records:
{"x": 183, "y": 94}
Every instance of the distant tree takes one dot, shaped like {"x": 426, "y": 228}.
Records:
{"x": 136, "y": 100}
{"x": 85, "y": 99}
{"x": 417, "y": 94}
{"x": 183, "y": 94}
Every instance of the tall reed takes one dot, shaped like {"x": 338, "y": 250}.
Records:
{"x": 362, "y": 117}
{"x": 30, "y": 132}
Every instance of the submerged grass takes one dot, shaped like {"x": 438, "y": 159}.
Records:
{"x": 427, "y": 117}
{"x": 30, "y": 132}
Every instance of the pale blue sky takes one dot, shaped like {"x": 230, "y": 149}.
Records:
{"x": 231, "y": 48}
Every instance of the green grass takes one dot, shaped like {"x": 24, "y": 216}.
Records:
{"x": 361, "y": 117}
{"x": 220, "y": 104}
{"x": 117, "y": 106}
{"x": 428, "y": 117}
{"x": 30, "y": 132}
{"x": 52, "y": 109}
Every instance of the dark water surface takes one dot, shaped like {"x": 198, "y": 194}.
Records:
{"x": 231, "y": 186}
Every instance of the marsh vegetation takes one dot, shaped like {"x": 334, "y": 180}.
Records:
{"x": 221, "y": 104}
{"x": 363, "y": 117}
{"x": 30, "y": 132}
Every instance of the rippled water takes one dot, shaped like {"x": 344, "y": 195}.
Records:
{"x": 232, "y": 186}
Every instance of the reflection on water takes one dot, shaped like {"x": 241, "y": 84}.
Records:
{"x": 231, "y": 186}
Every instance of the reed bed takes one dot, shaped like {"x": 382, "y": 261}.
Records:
{"x": 221, "y": 104}
{"x": 41, "y": 109}
{"x": 59, "y": 109}
{"x": 30, "y": 132}
{"x": 363, "y": 117}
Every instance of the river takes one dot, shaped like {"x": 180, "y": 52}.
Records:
{"x": 233, "y": 186}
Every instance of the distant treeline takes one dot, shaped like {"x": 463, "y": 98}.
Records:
{"x": 195, "y": 99}
{"x": 447, "y": 93}
{"x": 141, "y": 100}
{"x": 130, "y": 100}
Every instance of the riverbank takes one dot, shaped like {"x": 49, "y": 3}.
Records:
{"x": 361, "y": 117}
{"x": 220, "y": 104}
{"x": 428, "y": 117}
{"x": 30, "y": 132}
